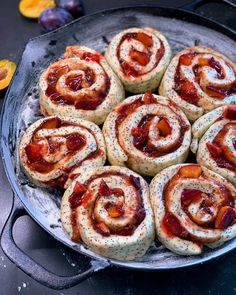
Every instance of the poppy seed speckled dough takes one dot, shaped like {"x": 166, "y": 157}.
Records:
{"x": 139, "y": 57}
{"x": 199, "y": 79}
{"x": 43, "y": 203}
{"x": 54, "y": 150}
{"x": 214, "y": 141}
{"x": 81, "y": 85}
{"x": 92, "y": 213}
{"x": 190, "y": 203}
{"x": 147, "y": 133}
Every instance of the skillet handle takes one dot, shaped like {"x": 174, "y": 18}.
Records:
{"x": 193, "y": 5}
{"x": 31, "y": 267}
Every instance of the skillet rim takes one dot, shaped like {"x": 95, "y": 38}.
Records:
{"x": 5, "y": 152}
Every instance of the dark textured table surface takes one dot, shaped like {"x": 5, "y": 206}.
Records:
{"x": 216, "y": 277}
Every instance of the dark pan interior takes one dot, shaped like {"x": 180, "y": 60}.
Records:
{"x": 21, "y": 107}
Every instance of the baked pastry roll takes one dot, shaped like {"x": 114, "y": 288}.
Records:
{"x": 198, "y": 80}
{"x": 80, "y": 85}
{"x": 109, "y": 210}
{"x": 193, "y": 206}
{"x": 147, "y": 133}
{"x": 214, "y": 141}
{"x": 54, "y": 150}
{"x": 139, "y": 56}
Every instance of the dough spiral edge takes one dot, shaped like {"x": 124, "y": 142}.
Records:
{"x": 199, "y": 79}
{"x": 107, "y": 234}
{"x": 189, "y": 202}
{"x": 54, "y": 150}
{"x": 81, "y": 85}
{"x": 214, "y": 141}
{"x": 139, "y": 57}
{"x": 147, "y": 133}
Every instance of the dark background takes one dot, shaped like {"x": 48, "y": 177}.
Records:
{"x": 217, "y": 277}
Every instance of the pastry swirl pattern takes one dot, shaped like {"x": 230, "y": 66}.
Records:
{"x": 109, "y": 210}
{"x": 54, "y": 150}
{"x": 193, "y": 206}
{"x": 147, "y": 133}
{"x": 199, "y": 79}
{"x": 81, "y": 84}
{"x": 214, "y": 141}
{"x": 139, "y": 56}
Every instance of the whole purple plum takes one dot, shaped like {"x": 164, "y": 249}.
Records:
{"x": 53, "y": 18}
{"x": 75, "y": 7}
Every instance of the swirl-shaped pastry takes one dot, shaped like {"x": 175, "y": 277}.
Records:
{"x": 54, "y": 150}
{"x": 109, "y": 209}
{"x": 80, "y": 85}
{"x": 147, "y": 133}
{"x": 198, "y": 80}
{"x": 193, "y": 206}
{"x": 139, "y": 56}
{"x": 216, "y": 150}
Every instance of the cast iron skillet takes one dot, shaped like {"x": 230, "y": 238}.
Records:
{"x": 20, "y": 109}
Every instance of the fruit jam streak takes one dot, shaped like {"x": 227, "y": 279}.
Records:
{"x": 74, "y": 143}
{"x": 219, "y": 155}
{"x": 140, "y": 58}
{"x": 76, "y": 82}
{"x": 140, "y": 133}
{"x": 206, "y": 201}
{"x": 114, "y": 210}
{"x": 188, "y": 91}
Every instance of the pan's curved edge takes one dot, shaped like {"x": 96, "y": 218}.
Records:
{"x": 226, "y": 30}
